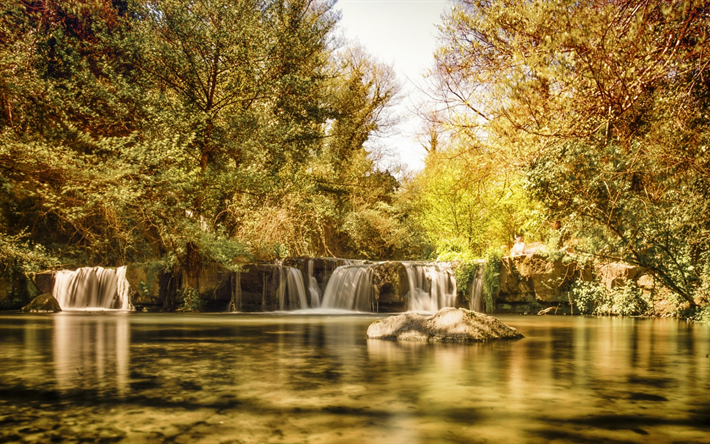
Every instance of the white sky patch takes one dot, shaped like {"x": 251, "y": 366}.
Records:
{"x": 401, "y": 33}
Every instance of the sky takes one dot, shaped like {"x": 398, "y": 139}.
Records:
{"x": 400, "y": 33}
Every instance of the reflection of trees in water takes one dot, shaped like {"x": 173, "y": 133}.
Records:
{"x": 322, "y": 375}
{"x": 92, "y": 353}
{"x": 565, "y": 369}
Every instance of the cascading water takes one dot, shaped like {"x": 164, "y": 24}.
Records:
{"x": 350, "y": 288}
{"x": 313, "y": 287}
{"x": 92, "y": 288}
{"x": 235, "y": 304}
{"x": 432, "y": 287}
{"x": 477, "y": 291}
{"x": 291, "y": 292}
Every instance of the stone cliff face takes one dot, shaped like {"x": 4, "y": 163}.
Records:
{"x": 530, "y": 283}
{"x": 390, "y": 286}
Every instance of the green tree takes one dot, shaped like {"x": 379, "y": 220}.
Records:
{"x": 466, "y": 206}
{"x": 604, "y": 105}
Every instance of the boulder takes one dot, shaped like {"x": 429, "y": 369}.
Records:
{"x": 617, "y": 275}
{"x": 44, "y": 303}
{"x": 448, "y": 325}
{"x": 44, "y": 281}
{"x": 259, "y": 287}
{"x": 214, "y": 282}
{"x": 16, "y": 289}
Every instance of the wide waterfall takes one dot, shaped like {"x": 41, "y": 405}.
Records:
{"x": 291, "y": 292}
{"x": 92, "y": 288}
{"x": 350, "y": 288}
{"x": 432, "y": 287}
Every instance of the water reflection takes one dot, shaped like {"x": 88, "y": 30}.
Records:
{"x": 92, "y": 351}
{"x": 309, "y": 378}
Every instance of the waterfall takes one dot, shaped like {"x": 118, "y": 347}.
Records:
{"x": 313, "y": 287}
{"x": 432, "y": 287}
{"x": 97, "y": 287}
{"x": 123, "y": 289}
{"x": 349, "y": 288}
{"x": 236, "y": 302}
{"x": 291, "y": 292}
{"x": 477, "y": 291}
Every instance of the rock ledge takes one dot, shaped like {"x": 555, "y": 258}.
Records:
{"x": 448, "y": 325}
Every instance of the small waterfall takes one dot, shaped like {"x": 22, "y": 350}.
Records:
{"x": 236, "y": 302}
{"x": 291, "y": 292}
{"x": 123, "y": 289}
{"x": 349, "y": 288}
{"x": 477, "y": 291}
{"x": 432, "y": 287}
{"x": 92, "y": 287}
{"x": 313, "y": 287}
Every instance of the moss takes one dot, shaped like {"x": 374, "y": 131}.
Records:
{"x": 491, "y": 279}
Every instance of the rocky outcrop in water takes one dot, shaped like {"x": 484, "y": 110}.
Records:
{"x": 447, "y": 325}
{"x": 43, "y": 303}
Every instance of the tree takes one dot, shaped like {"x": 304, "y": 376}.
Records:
{"x": 604, "y": 104}
{"x": 466, "y": 207}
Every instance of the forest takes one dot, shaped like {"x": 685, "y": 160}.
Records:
{"x": 241, "y": 130}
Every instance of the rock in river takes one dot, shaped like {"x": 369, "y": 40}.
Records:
{"x": 44, "y": 303}
{"x": 448, "y": 325}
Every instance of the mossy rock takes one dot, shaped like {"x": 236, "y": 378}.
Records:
{"x": 144, "y": 279}
{"x": 44, "y": 303}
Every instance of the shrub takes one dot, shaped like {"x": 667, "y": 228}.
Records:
{"x": 587, "y": 296}
{"x": 191, "y": 300}
{"x": 491, "y": 278}
{"x": 465, "y": 274}
{"x": 592, "y": 298}
{"x": 702, "y": 314}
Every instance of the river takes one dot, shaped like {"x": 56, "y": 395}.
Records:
{"x": 298, "y": 378}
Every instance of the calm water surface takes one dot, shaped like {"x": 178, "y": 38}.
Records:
{"x": 237, "y": 378}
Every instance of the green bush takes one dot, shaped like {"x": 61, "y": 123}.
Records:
{"x": 491, "y": 278}
{"x": 592, "y": 298}
{"x": 465, "y": 274}
{"x": 629, "y": 301}
{"x": 191, "y": 300}
{"x": 702, "y": 314}
{"x": 17, "y": 254}
{"x": 587, "y": 296}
